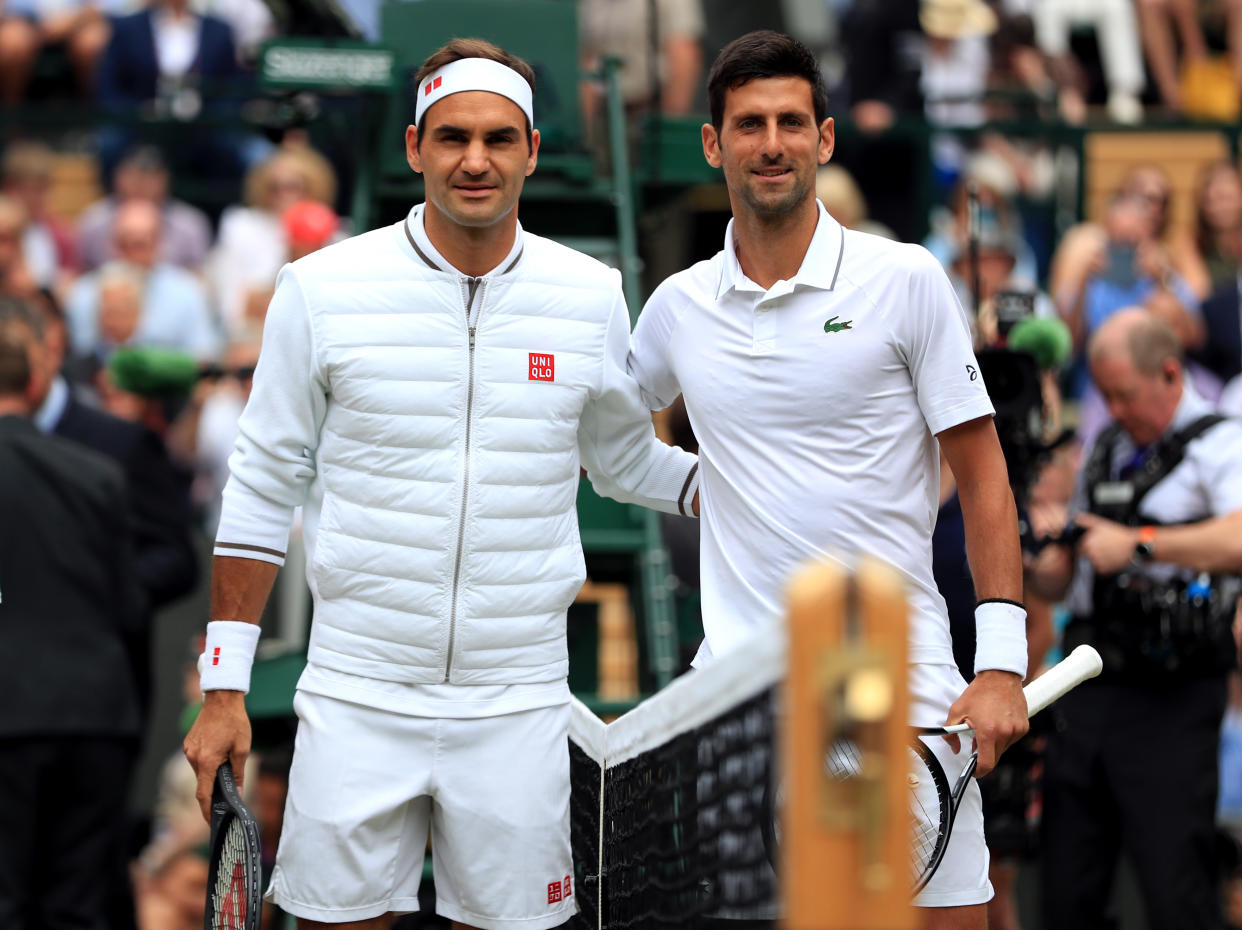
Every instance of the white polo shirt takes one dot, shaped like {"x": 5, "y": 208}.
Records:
{"x": 815, "y": 404}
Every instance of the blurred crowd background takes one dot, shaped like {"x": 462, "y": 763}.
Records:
{"x": 1063, "y": 159}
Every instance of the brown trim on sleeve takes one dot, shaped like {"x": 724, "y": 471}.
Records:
{"x": 681, "y": 501}
{"x": 248, "y": 548}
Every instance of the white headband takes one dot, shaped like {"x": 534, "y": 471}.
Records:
{"x": 474, "y": 74}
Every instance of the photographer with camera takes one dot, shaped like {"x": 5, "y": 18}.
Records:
{"x": 1122, "y": 264}
{"x": 1153, "y": 584}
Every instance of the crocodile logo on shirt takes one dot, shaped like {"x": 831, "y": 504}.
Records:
{"x": 832, "y": 326}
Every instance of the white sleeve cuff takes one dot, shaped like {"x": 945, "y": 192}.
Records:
{"x": 252, "y": 526}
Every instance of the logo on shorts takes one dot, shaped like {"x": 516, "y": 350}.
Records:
{"x": 542, "y": 367}
{"x": 560, "y": 891}
{"x": 832, "y": 326}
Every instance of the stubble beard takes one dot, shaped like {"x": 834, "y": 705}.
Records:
{"x": 775, "y": 205}
{"x": 472, "y": 214}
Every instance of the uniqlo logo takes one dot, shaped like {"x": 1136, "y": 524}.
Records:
{"x": 566, "y": 888}
{"x": 554, "y": 892}
{"x": 542, "y": 367}
{"x": 432, "y": 85}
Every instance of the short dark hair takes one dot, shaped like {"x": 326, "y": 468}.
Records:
{"x": 456, "y": 50}
{"x": 14, "y": 365}
{"x": 764, "y": 54}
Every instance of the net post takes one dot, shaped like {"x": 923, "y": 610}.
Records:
{"x": 845, "y": 847}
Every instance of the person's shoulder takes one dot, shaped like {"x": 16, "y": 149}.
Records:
{"x": 130, "y": 20}
{"x": 1218, "y": 452}
{"x": 698, "y": 284}
{"x": 546, "y": 258}
{"x": 71, "y": 462}
{"x": 104, "y": 432}
{"x": 216, "y": 23}
{"x": 355, "y": 258}
{"x": 867, "y": 247}
{"x": 1219, "y": 439}
{"x": 869, "y": 259}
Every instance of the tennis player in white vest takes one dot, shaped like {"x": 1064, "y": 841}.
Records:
{"x": 819, "y": 367}
{"x": 428, "y": 391}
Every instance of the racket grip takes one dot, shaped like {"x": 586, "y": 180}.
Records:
{"x": 1083, "y": 663}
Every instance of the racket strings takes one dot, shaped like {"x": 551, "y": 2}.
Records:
{"x": 843, "y": 761}
{"x": 927, "y": 810}
{"x": 230, "y": 895}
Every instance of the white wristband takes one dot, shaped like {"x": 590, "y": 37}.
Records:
{"x": 228, "y": 655}
{"x": 1000, "y": 637}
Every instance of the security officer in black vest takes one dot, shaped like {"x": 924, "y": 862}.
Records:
{"x": 1153, "y": 584}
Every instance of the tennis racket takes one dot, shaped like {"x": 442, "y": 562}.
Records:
{"x": 233, "y": 893}
{"x": 933, "y": 800}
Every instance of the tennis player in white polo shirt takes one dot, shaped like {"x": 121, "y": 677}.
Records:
{"x": 819, "y": 367}
{"x": 428, "y": 391}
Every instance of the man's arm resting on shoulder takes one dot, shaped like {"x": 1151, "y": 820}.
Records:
{"x": 617, "y": 442}
{"x": 239, "y": 590}
{"x": 993, "y": 703}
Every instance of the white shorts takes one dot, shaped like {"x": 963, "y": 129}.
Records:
{"x": 367, "y": 786}
{"x": 962, "y": 877}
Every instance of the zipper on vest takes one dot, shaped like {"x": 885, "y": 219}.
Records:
{"x": 471, "y": 323}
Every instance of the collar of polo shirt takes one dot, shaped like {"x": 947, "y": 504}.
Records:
{"x": 819, "y": 268}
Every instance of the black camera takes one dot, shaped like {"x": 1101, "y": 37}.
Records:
{"x": 1012, "y": 380}
{"x": 1012, "y": 306}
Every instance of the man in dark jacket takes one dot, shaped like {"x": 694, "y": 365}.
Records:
{"x": 69, "y": 715}
{"x": 158, "y": 490}
{"x": 148, "y": 68}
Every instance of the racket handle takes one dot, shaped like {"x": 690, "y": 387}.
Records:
{"x": 1083, "y": 663}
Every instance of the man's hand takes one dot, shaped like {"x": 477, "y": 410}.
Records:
{"x": 222, "y": 731}
{"x": 995, "y": 707}
{"x": 1108, "y": 546}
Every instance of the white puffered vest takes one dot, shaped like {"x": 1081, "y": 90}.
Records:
{"x": 433, "y": 426}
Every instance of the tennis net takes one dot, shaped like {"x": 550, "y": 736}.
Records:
{"x": 672, "y": 803}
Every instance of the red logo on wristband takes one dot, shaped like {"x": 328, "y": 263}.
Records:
{"x": 215, "y": 656}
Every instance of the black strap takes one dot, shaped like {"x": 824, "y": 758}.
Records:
{"x": 1165, "y": 456}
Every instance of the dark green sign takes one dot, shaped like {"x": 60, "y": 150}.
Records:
{"x": 355, "y": 66}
